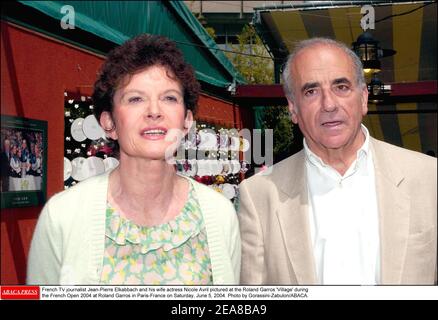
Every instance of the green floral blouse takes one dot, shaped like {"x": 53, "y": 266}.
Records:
{"x": 168, "y": 254}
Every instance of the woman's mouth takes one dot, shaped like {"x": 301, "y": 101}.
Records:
{"x": 154, "y": 133}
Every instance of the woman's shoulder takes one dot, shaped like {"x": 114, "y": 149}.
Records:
{"x": 78, "y": 193}
{"x": 215, "y": 206}
{"x": 205, "y": 192}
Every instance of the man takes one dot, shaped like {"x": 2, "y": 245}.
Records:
{"x": 347, "y": 209}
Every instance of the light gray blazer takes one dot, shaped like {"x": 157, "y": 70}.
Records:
{"x": 276, "y": 246}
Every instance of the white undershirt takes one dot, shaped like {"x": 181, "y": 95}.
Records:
{"x": 343, "y": 218}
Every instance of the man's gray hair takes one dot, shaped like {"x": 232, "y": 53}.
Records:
{"x": 287, "y": 77}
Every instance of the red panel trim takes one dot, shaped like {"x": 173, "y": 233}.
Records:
{"x": 275, "y": 91}
{"x": 259, "y": 91}
{"x": 420, "y": 88}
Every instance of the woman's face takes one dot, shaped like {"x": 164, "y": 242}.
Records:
{"x": 148, "y": 115}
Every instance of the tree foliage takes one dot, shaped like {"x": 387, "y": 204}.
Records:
{"x": 258, "y": 68}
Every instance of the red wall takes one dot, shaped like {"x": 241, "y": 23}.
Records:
{"x": 219, "y": 112}
{"x": 35, "y": 72}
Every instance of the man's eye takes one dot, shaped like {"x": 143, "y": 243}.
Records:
{"x": 135, "y": 99}
{"x": 342, "y": 87}
{"x": 309, "y": 92}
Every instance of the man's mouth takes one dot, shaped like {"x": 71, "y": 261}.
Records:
{"x": 331, "y": 123}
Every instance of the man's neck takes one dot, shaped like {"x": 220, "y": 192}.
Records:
{"x": 339, "y": 159}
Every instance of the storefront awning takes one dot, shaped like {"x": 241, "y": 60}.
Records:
{"x": 117, "y": 21}
{"x": 409, "y": 28}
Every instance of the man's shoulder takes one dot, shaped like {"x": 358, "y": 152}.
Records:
{"x": 284, "y": 169}
{"x": 401, "y": 156}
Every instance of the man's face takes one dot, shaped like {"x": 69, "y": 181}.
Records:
{"x": 7, "y": 145}
{"x": 329, "y": 104}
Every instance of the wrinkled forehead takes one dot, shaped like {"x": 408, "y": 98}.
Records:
{"x": 321, "y": 62}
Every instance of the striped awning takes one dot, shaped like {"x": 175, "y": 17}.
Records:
{"x": 409, "y": 28}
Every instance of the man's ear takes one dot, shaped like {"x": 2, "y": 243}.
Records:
{"x": 188, "y": 121}
{"x": 293, "y": 111}
{"x": 108, "y": 125}
{"x": 364, "y": 100}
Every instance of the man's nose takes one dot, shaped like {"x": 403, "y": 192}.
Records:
{"x": 328, "y": 101}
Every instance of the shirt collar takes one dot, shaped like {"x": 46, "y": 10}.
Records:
{"x": 360, "y": 154}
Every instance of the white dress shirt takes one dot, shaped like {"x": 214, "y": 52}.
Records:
{"x": 343, "y": 218}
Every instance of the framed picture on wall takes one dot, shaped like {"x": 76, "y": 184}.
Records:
{"x": 23, "y": 162}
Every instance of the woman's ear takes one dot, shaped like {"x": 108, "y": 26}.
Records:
{"x": 108, "y": 125}
{"x": 188, "y": 121}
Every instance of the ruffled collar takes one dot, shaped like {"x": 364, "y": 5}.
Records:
{"x": 188, "y": 224}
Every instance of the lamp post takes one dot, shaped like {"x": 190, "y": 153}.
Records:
{"x": 369, "y": 52}
{"x": 367, "y": 49}
{"x": 375, "y": 89}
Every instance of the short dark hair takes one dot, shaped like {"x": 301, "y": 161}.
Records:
{"x": 138, "y": 54}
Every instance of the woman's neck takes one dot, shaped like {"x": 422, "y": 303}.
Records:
{"x": 148, "y": 192}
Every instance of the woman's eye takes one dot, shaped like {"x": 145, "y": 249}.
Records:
{"x": 171, "y": 98}
{"x": 134, "y": 99}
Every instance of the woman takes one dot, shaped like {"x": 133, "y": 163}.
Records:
{"x": 35, "y": 166}
{"x": 142, "y": 223}
{"x": 15, "y": 168}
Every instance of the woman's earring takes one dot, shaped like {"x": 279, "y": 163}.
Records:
{"x": 110, "y": 129}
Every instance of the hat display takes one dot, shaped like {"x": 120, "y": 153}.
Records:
{"x": 87, "y": 152}
{"x": 229, "y": 190}
{"x": 208, "y": 140}
{"x": 95, "y": 166}
{"x": 92, "y": 130}
{"x": 67, "y": 169}
{"x": 76, "y": 130}
{"x": 79, "y": 170}
{"x": 110, "y": 163}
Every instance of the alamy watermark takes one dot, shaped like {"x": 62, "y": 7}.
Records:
{"x": 254, "y": 147}
{"x": 68, "y": 20}
{"x": 368, "y": 20}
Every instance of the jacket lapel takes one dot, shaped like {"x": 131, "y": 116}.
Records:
{"x": 394, "y": 207}
{"x": 293, "y": 219}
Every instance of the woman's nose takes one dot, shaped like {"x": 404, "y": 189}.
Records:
{"x": 153, "y": 110}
